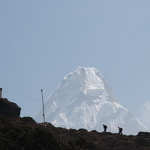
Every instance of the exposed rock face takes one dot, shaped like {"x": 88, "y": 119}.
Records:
{"x": 9, "y": 109}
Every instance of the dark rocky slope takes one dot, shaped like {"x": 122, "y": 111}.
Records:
{"x": 18, "y": 133}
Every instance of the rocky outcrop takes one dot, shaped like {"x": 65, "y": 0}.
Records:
{"x": 24, "y": 133}
{"x": 9, "y": 109}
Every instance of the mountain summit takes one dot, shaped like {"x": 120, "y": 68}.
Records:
{"x": 85, "y": 100}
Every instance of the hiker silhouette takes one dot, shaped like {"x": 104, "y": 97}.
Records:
{"x": 120, "y": 130}
{"x": 105, "y": 127}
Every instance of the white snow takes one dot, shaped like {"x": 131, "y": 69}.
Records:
{"x": 85, "y": 100}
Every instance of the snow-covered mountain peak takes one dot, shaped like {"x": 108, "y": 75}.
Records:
{"x": 85, "y": 100}
{"x": 89, "y": 81}
{"x": 82, "y": 73}
{"x": 86, "y": 77}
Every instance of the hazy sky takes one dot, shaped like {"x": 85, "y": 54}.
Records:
{"x": 42, "y": 41}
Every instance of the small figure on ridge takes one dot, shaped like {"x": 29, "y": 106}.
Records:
{"x": 105, "y": 127}
{"x": 120, "y": 130}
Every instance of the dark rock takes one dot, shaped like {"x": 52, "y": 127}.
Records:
{"x": 144, "y": 134}
{"x": 9, "y": 109}
{"x": 27, "y": 120}
{"x": 82, "y": 130}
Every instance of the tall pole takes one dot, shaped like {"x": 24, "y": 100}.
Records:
{"x": 0, "y": 92}
{"x": 43, "y": 106}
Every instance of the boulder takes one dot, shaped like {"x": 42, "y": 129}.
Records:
{"x": 9, "y": 109}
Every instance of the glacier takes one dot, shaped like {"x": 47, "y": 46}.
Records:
{"x": 85, "y": 100}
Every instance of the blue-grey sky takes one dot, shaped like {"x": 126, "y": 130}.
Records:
{"x": 42, "y": 41}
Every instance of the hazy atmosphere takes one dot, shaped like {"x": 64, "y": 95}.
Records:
{"x": 42, "y": 41}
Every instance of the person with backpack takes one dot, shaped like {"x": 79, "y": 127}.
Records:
{"x": 105, "y": 127}
{"x": 120, "y": 130}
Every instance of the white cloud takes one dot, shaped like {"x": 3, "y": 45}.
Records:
{"x": 145, "y": 114}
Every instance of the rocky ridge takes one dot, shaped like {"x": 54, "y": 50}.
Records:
{"x": 24, "y": 133}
